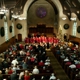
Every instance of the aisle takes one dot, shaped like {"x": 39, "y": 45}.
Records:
{"x": 60, "y": 73}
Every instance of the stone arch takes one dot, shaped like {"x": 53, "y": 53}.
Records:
{"x": 56, "y": 2}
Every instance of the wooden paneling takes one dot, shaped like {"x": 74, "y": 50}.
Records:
{"x": 74, "y": 39}
{"x": 41, "y": 29}
{"x": 5, "y": 45}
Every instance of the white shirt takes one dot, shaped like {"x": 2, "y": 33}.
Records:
{"x": 72, "y": 66}
{"x": 14, "y": 62}
{"x": 21, "y": 74}
{"x": 35, "y": 71}
{"x": 52, "y": 77}
{"x": 22, "y": 52}
{"x": 47, "y": 63}
{"x": 66, "y": 59}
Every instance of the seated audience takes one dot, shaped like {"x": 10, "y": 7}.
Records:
{"x": 24, "y": 65}
{"x": 6, "y": 71}
{"x": 41, "y": 63}
{"x": 47, "y": 63}
{"x": 26, "y": 75}
{"x": 14, "y": 62}
{"x": 35, "y": 70}
{"x": 66, "y": 59}
{"x": 10, "y": 71}
{"x": 1, "y": 76}
{"x": 72, "y": 66}
{"x": 13, "y": 76}
{"x": 21, "y": 75}
{"x": 52, "y": 77}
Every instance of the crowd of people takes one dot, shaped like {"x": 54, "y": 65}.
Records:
{"x": 68, "y": 54}
{"x": 31, "y": 59}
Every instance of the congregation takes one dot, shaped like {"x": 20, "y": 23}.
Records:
{"x": 68, "y": 55}
{"x": 26, "y": 62}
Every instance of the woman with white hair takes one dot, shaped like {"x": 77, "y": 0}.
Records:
{"x": 35, "y": 70}
{"x": 52, "y": 77}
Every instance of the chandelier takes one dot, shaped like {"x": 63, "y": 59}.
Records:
{"x": 3, "y": 8}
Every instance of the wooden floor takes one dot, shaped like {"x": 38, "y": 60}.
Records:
{"x": 58, "y": 70}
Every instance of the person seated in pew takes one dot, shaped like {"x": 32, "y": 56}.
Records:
{"x": 78, "y": 65}
{"x": 22, "y": 52}
{"x": 10, "y": 71}
{"x": 17, "y": 67}
{"x": 52, "y": 77}
{"x": 47, "y": 61}
{"x": 21, "y": 75}
{"x": 26, "y": 75}
{"x": 1, "y": 76}
{"x": 78, "y": 75}
{"x": 14, "y": 76}
{"x": 62, "y": 56}
{"x": 76, "y": 61}
{"x": 35, "y": 70}
{"x": 43, "y": 78}
{"x": 41, "y": 63}
{"x": 14, "y": 62}
{"x": 66, "y": 59}
{"x": 72, "y": 66}
{"x": 14, "y": 68}
{"x": 24, "y": 65}
{"x": 6, "y": 71}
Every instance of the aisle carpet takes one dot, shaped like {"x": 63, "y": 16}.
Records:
{"x": 58, "y": 70}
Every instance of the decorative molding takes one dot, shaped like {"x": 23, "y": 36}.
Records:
{"x": 19, "y": 26}
{"x": 66, "y": 26}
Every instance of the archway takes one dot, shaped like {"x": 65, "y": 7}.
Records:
{"x": 29, "y": 2}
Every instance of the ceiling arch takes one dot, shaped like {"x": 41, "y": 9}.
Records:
{"x": 57, "y": 6}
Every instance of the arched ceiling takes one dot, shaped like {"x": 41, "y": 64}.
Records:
{"x": 68, "y": 6}
{"x": 71, "y": 6}
{"x": 53, "y": 5}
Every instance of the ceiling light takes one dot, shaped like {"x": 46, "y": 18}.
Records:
{"x": 15, "y": 16}
{"x": 64, "y": 18}
{"x": 22, "y": 18}
{"x": 3, "y": 8}
{"x": 73, "y": 19}
{"x": 68, "y": 13}
{"x": 78, "y": 12}
{"x": 1, "y": 12}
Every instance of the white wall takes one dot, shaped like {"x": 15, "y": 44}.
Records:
{"x": 23, "y": 31}
{"x": 68, "y": 31}
{"x": 2, "y": 39}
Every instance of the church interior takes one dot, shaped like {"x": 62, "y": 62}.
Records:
{"x": 38, "y": 27}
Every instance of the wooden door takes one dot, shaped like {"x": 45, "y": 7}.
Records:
{"x": 19, "y": 37}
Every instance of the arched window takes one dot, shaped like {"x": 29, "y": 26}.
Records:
{"x": 13, "y": 33}
{"x": 6, "y": 29}
{"x": 74, "y": 28}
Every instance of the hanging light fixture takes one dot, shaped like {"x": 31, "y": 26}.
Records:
{"x": 73, "y": 17}
{"x": 22, "y": 18}
{"x": 3, "y": 8}
{"x": 64, "y": 17}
